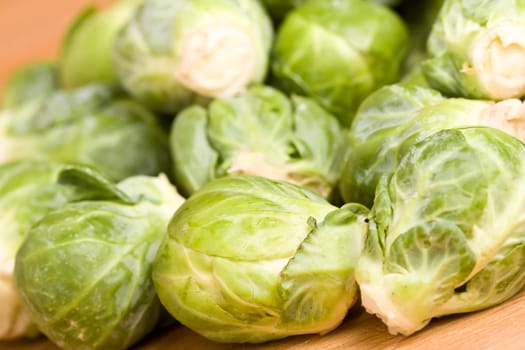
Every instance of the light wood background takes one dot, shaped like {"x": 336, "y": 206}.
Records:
{"x": 32, "y": 30}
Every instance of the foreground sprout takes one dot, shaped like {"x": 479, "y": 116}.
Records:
{"x": 446, "y": 233}
{"x": 84, "y": 270}
{"x": 173, "y": 54}
{"x": 261, "y": 132}
{"x": 248, "y": 259}
{"x": 478, "y": 49}
{"x": 394, "y": 117}
{"x": 93, "y": 125}
{"x": 34, "y": 80}
{"x": 28, "y": 191}
{"x": 338, "y": 52}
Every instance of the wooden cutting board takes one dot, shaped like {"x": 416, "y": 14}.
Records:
{"x": 32, "y": 29}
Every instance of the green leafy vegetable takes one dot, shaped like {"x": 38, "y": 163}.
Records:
{"x": 477, "y": 49}
{"x": 261, "y": 132}
{"x": 338, "y": 52}
{"x": 30, "y": 81}
{"x": 447, "y": 229}
{"x": 92, "y": 124}
{"x": 248, "y": 259}
{"x": 394, "y": 117}
{"x": 173, "y": 54}
{"x": 84, "y": 270}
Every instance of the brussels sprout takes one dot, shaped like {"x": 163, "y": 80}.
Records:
{"x": 478, "y": 49}
{"x": 84, "y": 270}
{"x": 394, "y": 117}
{"x": 338, "y": 52}
{"x": 249, "y": 259}
{"x": 447, "y": 229}
{"x": 176, "y": 53}
{"x": 261, "y": 132}
{"x": 28, "y": 191}
{"x": 29, "y": 81}
{"x": 92, "y": 125}
{"x": 87, "y": 49}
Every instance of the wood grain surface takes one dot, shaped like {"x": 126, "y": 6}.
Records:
{"x": 32, "y": 30}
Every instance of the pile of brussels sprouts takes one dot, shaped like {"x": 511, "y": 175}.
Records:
{"x": 255, "y": 169}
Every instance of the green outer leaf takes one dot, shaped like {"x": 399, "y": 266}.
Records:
{"x": 190, "y": 288}
{"x": 320, "y": 143}
{"x": 444, "y": 73}
{"x": 318, "y": 282}
{"x": 89, "y": 184}
{"x": 218, "y": 269}
{"x": 194, "y": 159}
{"x": 253, "y": 212}
{"x": 258, "y": 121}
{"x": 450, "y": 182}
{"x": 501, "y": 279}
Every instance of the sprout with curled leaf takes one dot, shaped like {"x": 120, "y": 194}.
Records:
{"x": 447, "y": 229}
{"x": 249, "y": 259}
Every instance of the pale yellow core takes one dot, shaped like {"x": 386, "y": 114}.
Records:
{"x": 507, "y": 115}
{"x": 253, "y": 163}
{"x": 217, "y": 61}
{"x": 377, "y": 301}
{"x": 499, "y": 60}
